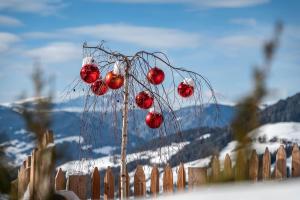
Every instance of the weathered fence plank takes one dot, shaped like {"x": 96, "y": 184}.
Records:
{"x": 78, "y": 184}
{"x": 197, "y": 176}
{"x": 181, "y": 179}
{"x": 47, "y": 138}
{"x": 253, "y": 166}
{"x": 154, "y": 185}
{"x": 227, "y": 172}
{"x": 28, "y": 161}
{"x": 215, "y": 169}
{"x": 139, "y": 182}
{"x": 295, "y": 161}
{"x": 23, "y": 179}
{"x": 60, "y": 180}
{"x": 95, "y": 184}
{"x": 241, "y": 166}
{"x": 14, "y": 190}
{"x": 168, "y": 179}
{"x": 109, "y": 184}
{"x": 280, "y": 168}
{"x": 266, "y": 165}
{"x": 33, "y": 173}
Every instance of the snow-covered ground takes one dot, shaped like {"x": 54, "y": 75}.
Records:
{"x": 274, "y": 135}
{"x": 259, "y": 191}
{"x": 269, "y": 135}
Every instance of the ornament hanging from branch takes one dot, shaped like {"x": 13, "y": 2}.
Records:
{"x": 186, "y": 88}
{"x": 99, "y": 87}
{"x": 144, "y": 100}
{"x": 114, "y": 79}
{"x": 89, "y": 72}
{"x": 154, "y": 118}
{"x": 156, "y": 76}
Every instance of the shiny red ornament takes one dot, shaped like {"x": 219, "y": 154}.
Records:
{"x": 154, "y": 119}
{"x": 144, "y": 100}
{"x": 89, "y": 73}
{"x": 99, "y": 87}
{"x": 114, "y": 81}
{"x": 185, "y": 90}
{"x": 156, "y": 76}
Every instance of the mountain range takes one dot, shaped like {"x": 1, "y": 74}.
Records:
{"x": 99, "y": 138}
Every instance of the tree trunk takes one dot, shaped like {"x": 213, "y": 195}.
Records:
{"x": 124, "y": 132}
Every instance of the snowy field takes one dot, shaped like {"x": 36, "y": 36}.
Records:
{"x": 279, "y": 190}
{"x": 274, "y": 135}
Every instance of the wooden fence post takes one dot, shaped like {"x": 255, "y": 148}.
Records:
{"x": 23, "y": 179}
{"x": 227, "y": 172}
{"x": 253, "y": 166}
{"x": 78, "y": 184}
{"x": 154, "y": 185}
{"x": 280, "y": 169}
{"x": 295, "y": 161}
{"x": 241, "y": 166}
{"x": 197, "y": 176}
{"x": 109, "y": 184}
{"x": 181, "y": 180}
{"x": 215, "y": 169}
{"x": 47, "y": 138}
{"x": 28, "y": 161}
{"x": 266, "y": 165}
{"x": 139, "y": 182}
{"x": 60, "y": 180}
{"x": 33, "y": 173}
{"x": 95, "y": 184}
{"x": 168, "y": 179}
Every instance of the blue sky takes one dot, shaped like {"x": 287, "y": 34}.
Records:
{"x": 220, "y": 39}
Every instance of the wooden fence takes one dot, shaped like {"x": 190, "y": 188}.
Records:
{"x": 88, "y": 186}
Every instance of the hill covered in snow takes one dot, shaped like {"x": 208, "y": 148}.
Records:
{"x": 196, "y": 151}
{"x": 201, "y": 136}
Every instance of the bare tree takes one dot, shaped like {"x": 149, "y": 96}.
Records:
{"x": 135, "y": 69}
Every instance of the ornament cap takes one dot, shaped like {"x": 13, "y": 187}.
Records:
{"x": 118, "y": 68}
{"x": 189, "y": 81}
{"x": 155, "y": 108}
{"x": 88, "y": 60}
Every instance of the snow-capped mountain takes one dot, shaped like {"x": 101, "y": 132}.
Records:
{"x": 94, "y": 130}
{"x": 201, "y": 136}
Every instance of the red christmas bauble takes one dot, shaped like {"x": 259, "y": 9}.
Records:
{"x": 154, "y": 119}
{"x": 156, "y": 76}
{"x": 99, "y": 87}
{"x": 89, "y": 73}
{"x": 144, "y": 100}
{"x": 185, "y": 90}
{"x": 114, "y": 81}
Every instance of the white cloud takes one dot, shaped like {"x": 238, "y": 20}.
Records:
{"x": 244, "y": 21}
{"x": 153, "y": 37}
{"x": 41, "y": 35}
{"x": 140, "y": 35}
{"x": 200, "y": 3}
{"x": 43, "y": 7}
{"x": 57, "y": 52}
{"x": 9, "y": 21}
{"x": 238, "y": 41}
{"x": 6, "y": 40}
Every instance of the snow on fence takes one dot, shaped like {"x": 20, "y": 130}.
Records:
{"x": 85, "y": 186}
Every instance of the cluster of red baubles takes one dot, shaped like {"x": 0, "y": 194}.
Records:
{"x": 90, "y": 74}
{"x": 145, "y": 100}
